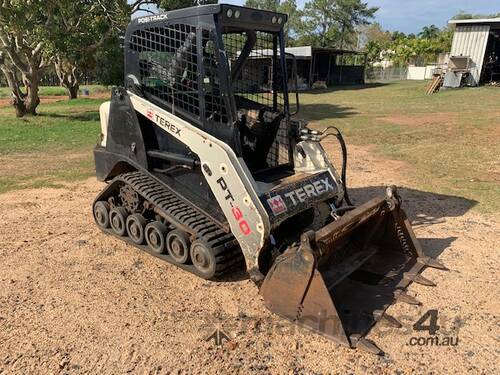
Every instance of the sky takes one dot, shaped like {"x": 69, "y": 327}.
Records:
{"x": 409, "y": 16}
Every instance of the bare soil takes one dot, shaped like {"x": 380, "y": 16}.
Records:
{"x": 5, "y": 102}
{"x": 73, "y": 300}
{"x": 43, "y": 99}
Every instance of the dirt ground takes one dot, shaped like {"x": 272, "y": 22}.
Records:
{"x": 5, "y": 102}
{"x": 73, "y": 300}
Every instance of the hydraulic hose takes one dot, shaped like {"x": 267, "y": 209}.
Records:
{"x": 343, "y": 174}
{"x": 344, "y": 166}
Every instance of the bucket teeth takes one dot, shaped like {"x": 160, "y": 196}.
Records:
{"x": 386, "y": 318}
{"x": 419, "y": 279}
{"x": 406, "y": 298}
{"x": 430, "y": 262}
{"x": 369, "y": 346}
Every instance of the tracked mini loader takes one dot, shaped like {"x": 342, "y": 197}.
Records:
{"x": 207, "y": 169}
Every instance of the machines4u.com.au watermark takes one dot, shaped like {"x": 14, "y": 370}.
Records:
{"x": 431, "y": 329}
{"x": 429, "y": 322}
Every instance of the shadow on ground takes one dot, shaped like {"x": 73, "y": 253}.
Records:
{"x": 81, "y": 116}
{"x": 345, "y": 88}
{"x": 320, "y": 111}
{"x": 423, "y": 209}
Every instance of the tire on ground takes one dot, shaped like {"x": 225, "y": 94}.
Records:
{"x": 101, "y": 214}
{"x": 135, "y": 228}
{"x": 117, "y": 219}
{"x": 203, "y": 258}
{"x": 155, "y": 233}
{"x": 178, "y": 246}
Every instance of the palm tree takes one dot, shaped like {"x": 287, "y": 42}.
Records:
{"x": 429, "y": 32}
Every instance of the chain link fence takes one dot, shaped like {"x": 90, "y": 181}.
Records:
{"x": 379, "y": 74}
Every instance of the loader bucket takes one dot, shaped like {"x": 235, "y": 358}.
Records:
{"x": 340, "y": 280}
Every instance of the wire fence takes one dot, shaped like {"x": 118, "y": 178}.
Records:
{"x": 379, "y": 74}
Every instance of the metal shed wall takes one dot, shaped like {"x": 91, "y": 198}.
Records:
{"x": 471, "y": 40}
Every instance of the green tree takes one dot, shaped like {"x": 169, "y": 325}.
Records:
{"x": 107, "y": 68}
{"x": 351, "y": 14}
{"x": 271, "y": 5}
{"x": 332, "y": 22}
{"x": 398, "y": 35}
{"x": 374, "y": 40}
{"x": 429, "y": 32}
{"x": 178, "y": 4}
{"x": 470, "y": 16}
{"x": 78, "y": 30}
{"x": 22, "y": 55}
{"x": 288, "y": 7}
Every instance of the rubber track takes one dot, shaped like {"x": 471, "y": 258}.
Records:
{"x": 180, "y": 213}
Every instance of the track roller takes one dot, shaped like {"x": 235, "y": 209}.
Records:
{"x": 101, "y": 214}
{"x": 155, "y": 233}
{"x": 178, "y": 246}
{"x": 135, "y": 228}
{"x": 203, "y": 258}
{"x": 117, "y": 219}
{"x": 217, "y": 252}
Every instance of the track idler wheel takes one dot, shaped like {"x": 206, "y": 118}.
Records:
{"x": 135, "y": 228}
{"x": 155, "y": 233}
{"x": 101, "y": 214}
{"x": 178, "y": 246}
{"x": 117, "y": 219}
{"x": 203, "y": 259}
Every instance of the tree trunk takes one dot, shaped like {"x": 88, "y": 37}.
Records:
{"x": 66, "y": 72}
{"x": 17, "y": 96}
{"x": 32, "y": 100}
{"x": 323, "y": 35}
{"x": 73, "y": 91}
{"x": 19, "y": 58}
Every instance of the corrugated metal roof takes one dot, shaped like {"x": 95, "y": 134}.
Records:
{"x": 300, "y": 52}
{"x": 475, "y": 21}
{"x": 471, "y": 40}
{"x": 303, "y": 51}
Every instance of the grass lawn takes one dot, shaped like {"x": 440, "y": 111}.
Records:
{"x": 450, "y": 140}
{"x": 52, "y": 147}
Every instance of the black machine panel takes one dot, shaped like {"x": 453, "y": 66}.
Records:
{"x": 296, "y": 197}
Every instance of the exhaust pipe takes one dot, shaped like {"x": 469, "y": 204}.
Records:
{"x": 340, "y": 280}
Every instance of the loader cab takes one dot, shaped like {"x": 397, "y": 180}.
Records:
{"x": 223, "y": 69}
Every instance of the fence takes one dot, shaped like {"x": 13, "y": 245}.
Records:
{"x": 378, "y": 74}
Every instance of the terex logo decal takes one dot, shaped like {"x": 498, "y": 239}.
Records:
{"x": 314, "y": 189}
{"x": 277, "y": 204}
{"x": 165, "y": 124}
{"x": 292, "y": 197}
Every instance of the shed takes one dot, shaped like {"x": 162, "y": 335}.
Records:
{"x": 478, "y": 39}
{"x": 329, "y": 65}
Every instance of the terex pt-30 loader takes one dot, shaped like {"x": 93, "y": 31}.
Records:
{"x": 206, "y": 169}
